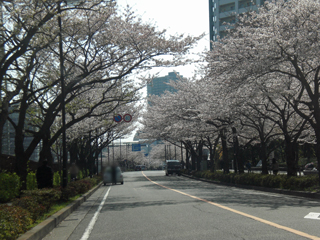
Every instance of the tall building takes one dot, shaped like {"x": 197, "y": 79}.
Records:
{"x": 8, "y": 138}
{"x": 159, "y": 85}
{"x": 225, "y": 11}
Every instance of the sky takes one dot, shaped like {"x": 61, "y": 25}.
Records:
{"x": 177, "y": 17}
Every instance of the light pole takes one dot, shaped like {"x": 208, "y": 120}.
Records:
{"x": 63, "y": 104}
{"x": 120, "y": 149}
{"x": 235, "y": 150}
{"x": 112, "y": 151}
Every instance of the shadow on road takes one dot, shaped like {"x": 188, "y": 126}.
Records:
{"x": 229, "y": 195}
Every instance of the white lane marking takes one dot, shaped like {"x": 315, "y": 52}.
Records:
{"x": 297, "y": 232}
{"x": 86, "y": 234}
{"x": 313, "y": 215}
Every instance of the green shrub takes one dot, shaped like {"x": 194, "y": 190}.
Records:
{"x": 80, "y": 175}
{"x": 309, "y": 182}
{"x": 270, "y": 181}
{"x": 68, "y": 192}
{"x": 14, "y": 221}
{"x": 31, "y": 181}
{"x": 81, "y": 186}
{"x": 56, "y": 179}
{"x": 227, "y": 178}
{"x": 299, "y": 183}
{"x": 47, "y": 197}
{"x": 30, "y": 203}
{"x": 9, "y": 187}
{"x": 95, "y": 180}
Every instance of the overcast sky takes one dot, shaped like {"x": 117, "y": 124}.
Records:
{"x": 177, "y": 16}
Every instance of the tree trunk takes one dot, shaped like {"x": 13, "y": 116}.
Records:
{"x": 187, "y": 159}
{"x": 199, "y": 157}
{"x": 46, "y": 148}
{"x": 290, "y": 158}
{"x": 263, "y": 157}
{"x": 3, "y": 118}
{"x": 318, "y": 153}
{"x": 21, "y": 161}
{"x": 225, "y": 152}
{"x": 21, "y": 157}
{"x": 193, "y": 160}
{"x": 235, "y": 149}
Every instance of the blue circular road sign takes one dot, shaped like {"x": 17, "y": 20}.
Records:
{"x": 117, "y": 118}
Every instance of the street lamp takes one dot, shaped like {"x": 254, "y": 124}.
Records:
{"x": 235, "y": 149}
{"x": 63, "y": 104}
{"x": 64, "y": 138}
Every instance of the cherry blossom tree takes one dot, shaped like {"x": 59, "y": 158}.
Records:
{"x": 102, "y": 47}
{"x": 174, "y": 117}
{"x": 270, "y": 47}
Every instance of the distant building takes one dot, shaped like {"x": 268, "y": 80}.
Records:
{"x": 8, "y": 139}
{"x": 159, "y": 85}
{"x": 221, "y": 11}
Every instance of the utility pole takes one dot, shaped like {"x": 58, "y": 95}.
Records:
{"x": 97, "y": 155}
{"x": 63, "y": 105}
{"x": 235, "y": 149}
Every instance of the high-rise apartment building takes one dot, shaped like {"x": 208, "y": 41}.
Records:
{"x": 225, "y": 11}
{"x": 159, "y": 85}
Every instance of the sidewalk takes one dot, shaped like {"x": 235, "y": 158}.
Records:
{"x": 45, "y": 227}
{"x": 264, "y": 189}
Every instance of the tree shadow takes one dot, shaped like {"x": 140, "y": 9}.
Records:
{"x": 228, "y": 195}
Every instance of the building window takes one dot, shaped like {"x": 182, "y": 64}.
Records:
{"x": 227, "y": 7}
{"x": 222, "y": 34}
{"x": 230, "y": 20}
{"x": 247, "y": 3}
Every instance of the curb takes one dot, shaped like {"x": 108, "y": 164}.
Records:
{"x": 263, "y": 189}
{"x": 43, "y": 228}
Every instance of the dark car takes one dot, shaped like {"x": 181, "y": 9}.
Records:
{"x": 107, "y": 176}
{"x": 173, "y": 166}
{"x": 138, "y": 168}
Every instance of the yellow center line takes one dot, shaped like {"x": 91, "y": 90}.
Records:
{"x": 291, "y": 230}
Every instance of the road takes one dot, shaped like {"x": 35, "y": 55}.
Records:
{"x": 152, "y": 206}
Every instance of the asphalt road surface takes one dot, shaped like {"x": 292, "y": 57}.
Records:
{"x": 152, "y": 206}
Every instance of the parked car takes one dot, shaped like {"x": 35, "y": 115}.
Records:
{"x": 140, "y": 168}
{"x": 107, "y": 176}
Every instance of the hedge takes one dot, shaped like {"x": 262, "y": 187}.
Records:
{"x": 9, "y": 187}
{"x": 14, "y": 221}
{"x": 10, "y": 184}
{"x": 33, "y": 204}
{"x": 271, "y": 181}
